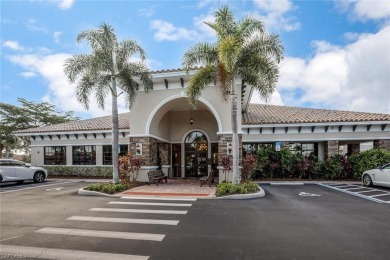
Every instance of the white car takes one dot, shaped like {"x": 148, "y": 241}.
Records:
{"x": 380, "y": 176}
{"x": 17, "y": 171}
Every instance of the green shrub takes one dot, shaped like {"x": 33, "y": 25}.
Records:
{"x": 109, "y": 188}
{"x": 227, "y": 188}
{"x": 367, "y": 160}
{"x": 79, "y": 171}
{"x": 331, "y": 168}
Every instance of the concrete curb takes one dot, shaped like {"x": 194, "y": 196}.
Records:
{"x": 255, "y": 195}
{"x": 84, "y": 192}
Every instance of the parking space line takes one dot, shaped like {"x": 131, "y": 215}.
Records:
{"x": 99, "y": 233}
{"x": 371, "y": 190}
{"x": 50, "y": 253}
{"x": 379, "y": 195}
{"x": 149, "y": 211}
{"x": 286, "y": 183}
{"x": 352, "y": 193}
{"x": 355, "y": 188}
{"x": 338, "y": 186}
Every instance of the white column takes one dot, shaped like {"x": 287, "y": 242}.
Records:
{"x": 69, "y": 155}
{"x": 321, "y": 151}
{"x": 99, "y": 155}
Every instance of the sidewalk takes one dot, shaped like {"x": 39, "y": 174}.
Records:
{"x": 174, "y": 188}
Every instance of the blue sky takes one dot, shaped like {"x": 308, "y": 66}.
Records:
{"x": 337, "y": 53}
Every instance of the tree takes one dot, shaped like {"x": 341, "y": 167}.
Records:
{"x": 108, "y": 70}
{"x": 243, "y": 50}
{"x": 28, "y": 115}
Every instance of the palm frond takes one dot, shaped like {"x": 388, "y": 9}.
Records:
{"x": 224, "y": 21}
{"x": 249, "y": 26}
{"x": 228, "y": 52}
{"x": 128, "y": 48}
{"x": 264, "y": 44}
{"x": 102, "y": 91}
{"x": 224, "y": 81}
{"x": 128, "y": 85}
{"x": 199, "y": 55}
{"x": 261, "y": 73}
{"x": 140, "y": 71}
{"x": 75, "y": 66}
{"x": 84, "y": 89}
{"x": 203, "y": 77}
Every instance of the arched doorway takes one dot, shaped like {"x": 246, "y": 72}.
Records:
{"x": 196, "y": 151}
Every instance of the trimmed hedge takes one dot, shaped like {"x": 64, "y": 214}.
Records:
{"x": 227, "y": 188}
{"x": 79, "y": 171}
{"x": 367, "y": 160}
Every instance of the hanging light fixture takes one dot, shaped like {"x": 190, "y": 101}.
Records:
{"x": 191, "y": 120}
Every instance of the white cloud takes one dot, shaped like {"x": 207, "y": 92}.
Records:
{"x": 28, "y": 74}
{"x": 353, "y": 77}
{"x": 147, "y": 12}
{"x": 65, "y": 4}
{"x": 275, "y": 99}
{"x": 365, "y": 10}
{"x": 32, "y": 26}
{"x": 204, "y": 29}
{"x": 204, "y": 3}
{"x": 275, "y": 14}
{"x": 272, "y": 6}
{"x": 13, "y": 45}
{"x": 60, "y": 92}
{"x": 56, "y": 36}
{"x": 167, "y": 31}
{"x": 351, "y": 36}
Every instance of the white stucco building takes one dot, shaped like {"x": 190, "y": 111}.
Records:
{"x": 163, "y": 130}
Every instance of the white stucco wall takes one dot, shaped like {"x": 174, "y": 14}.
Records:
{"x": 37, "y": 145}
{"x": 157, "y": 103}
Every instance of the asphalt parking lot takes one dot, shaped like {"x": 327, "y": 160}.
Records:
{"x": 290, "y": 222}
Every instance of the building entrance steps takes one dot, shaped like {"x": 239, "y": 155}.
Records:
{"x": 174, "y": 188}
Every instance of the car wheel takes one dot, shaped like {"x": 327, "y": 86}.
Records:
{"x": 39, "y": 177}
{"x": 1, "y": 179}
{"x": 20, "y": 182}
{"x": 367, "y": 180}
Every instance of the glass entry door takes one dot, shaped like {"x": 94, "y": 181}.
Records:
{"x": 196, "y": 151}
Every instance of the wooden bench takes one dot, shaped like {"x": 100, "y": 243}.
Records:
{"x": 156, "y": 177}
{"x": 207, "y": 179}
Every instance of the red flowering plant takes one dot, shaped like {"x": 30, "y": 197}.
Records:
{"x": 128, "y": 167}
{"x": 225, "y": 162}
{"x": 249, "y": 164}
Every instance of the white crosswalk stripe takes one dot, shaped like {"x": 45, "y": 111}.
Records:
{"x": 157, "y": 198}
{"x": 126, "y": 220}
{"x": 150, "y": 211}
{"x": 51, "y": 253}
{"x": 133, "y": 202}
{"x": 150, "y": 203}
{"x": 99, "y": 233}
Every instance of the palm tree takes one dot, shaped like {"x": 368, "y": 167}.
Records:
{"x": 244, "y": 50}
{"x": 108, "y": 70}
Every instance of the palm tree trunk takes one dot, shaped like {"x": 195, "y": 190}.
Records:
{"x": 236, "y": 174}
{"x": 115, "y": 134}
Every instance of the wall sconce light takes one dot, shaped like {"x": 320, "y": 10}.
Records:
{"x": 229, "y": 148}
{"x": 138, "y": 149}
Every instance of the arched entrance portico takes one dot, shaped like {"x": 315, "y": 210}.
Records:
{"x": 184, "y": 146}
